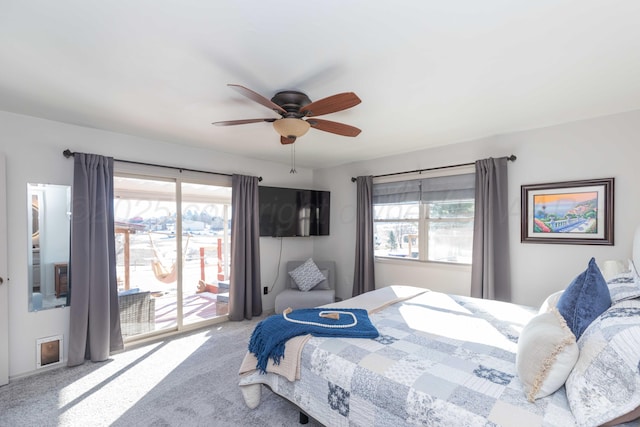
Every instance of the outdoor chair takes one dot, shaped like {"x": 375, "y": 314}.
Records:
{"x": 137, "y": 313}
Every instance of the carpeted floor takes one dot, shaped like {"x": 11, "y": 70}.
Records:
{"x": 184, "y": 381}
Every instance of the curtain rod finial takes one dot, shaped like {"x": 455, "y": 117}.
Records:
{"x": 353, "y": 179}
{"x": 512, "y": 158}
{"x": 67, "y": 153}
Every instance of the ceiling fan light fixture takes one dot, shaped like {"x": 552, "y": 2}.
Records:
{"x": 291, "y": 127}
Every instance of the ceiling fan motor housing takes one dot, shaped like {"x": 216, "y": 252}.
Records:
{"x": 291, "y": 101}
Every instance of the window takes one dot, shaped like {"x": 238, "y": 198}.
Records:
{"x": 425, "y": 219}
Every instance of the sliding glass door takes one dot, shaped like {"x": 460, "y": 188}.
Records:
{"x": 206, "y": 222}
{"x": 172, "y": 243}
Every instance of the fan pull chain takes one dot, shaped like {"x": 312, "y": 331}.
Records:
{"x": 293, "y": 159}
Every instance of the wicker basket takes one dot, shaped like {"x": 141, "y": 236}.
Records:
{"x": 137, "y": 313}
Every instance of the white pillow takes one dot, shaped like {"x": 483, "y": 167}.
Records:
{"x": 547, "y": 352}
{"x": 307, "y": 275}
{"x": 605, "y": 383}
{"x": 550, "y": 302}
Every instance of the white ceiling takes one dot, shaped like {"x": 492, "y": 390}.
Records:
{"x": 429, "y": 72}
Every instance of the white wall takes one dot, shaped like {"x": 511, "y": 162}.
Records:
{"x": 598, "y": 148}
{"x": 33, "y": 149}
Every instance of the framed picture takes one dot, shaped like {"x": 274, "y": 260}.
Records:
{"x": 572, "y": 212}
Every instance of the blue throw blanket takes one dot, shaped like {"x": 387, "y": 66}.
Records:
{"x": 270, "y": 335}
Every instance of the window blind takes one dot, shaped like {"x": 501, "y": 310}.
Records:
{"x": 442, "y": 188}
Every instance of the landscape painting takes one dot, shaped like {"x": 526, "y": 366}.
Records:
{"x": 575, "y": 212}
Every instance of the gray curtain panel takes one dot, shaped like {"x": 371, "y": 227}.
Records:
{"x": 245, "y": 297}
{"x": 94, "y": 321}
{"x": 363, "y": 275}
{"x": 490, "y": 266}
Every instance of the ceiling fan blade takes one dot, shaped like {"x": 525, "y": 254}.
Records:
{"x": 334, "y": 127}
{"x": 284, "y": 140}
{"x": 331, "y": 104}
{"x": 254, "y": 96}
{"x": 242, "y": 122}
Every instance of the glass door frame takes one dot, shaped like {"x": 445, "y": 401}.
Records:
{"x": 177, "y": 178}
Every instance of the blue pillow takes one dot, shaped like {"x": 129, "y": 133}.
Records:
{"x": 586, "y": 298}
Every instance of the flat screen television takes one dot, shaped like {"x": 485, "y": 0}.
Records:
{"x": 293, "y": 212}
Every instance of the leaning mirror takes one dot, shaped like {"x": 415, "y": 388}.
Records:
{"x": 49, "y": 223}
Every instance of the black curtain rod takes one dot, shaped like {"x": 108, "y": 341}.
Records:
{"x": 510, "y": 158}
{"x": 68, "y": 153}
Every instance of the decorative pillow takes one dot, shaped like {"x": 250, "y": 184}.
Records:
{"x": 613, "y": 267}
{"x": 307, "y": 275}
{"x": 547, "y": 352}
{"x": 625, "y": 285}
{"x": 325, "y": 283}
{"x": 605, "y": 383}
{"x": 586, "y": 298}
{"x": 551, "y": 302}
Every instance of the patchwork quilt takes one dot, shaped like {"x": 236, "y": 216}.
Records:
{"x": 440, "y": 360}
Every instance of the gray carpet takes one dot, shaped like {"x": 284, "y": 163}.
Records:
{"x": 185, "y": 381}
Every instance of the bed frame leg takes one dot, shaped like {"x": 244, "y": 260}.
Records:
{"x": 304, "y": 419}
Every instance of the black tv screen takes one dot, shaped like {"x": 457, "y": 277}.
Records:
{"x": 292, "y": 212}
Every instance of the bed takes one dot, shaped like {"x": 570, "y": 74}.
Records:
{"x": 444, "y": 360}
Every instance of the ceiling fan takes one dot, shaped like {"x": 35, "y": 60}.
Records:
{"x": 298, "y": 113}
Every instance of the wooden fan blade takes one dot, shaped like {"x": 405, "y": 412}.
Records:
{"x": 331, "y": 104}
{"x": 242, "y": 122}
{"x": 334, "y": 127}
{"x": 284, "y": 140}
{"x": 254, "y": 96}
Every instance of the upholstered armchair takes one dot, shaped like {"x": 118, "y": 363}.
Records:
{"x": 321, "y": 294}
